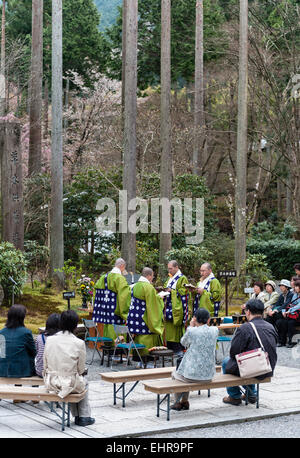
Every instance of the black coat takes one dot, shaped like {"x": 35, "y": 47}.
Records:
{"x": 245, "y": 339}
{"x": 283, "y": 301}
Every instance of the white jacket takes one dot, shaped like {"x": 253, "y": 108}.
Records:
{"x": 64, "y": 361}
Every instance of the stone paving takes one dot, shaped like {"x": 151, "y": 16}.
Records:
{"x": 138, "y": 418}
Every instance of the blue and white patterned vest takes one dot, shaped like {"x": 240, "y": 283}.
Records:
{"x": 197, "y": 298}
{"x": 135, "y": 322}
{"x": 105, "y": 306}
{"x": 184, "y": 301}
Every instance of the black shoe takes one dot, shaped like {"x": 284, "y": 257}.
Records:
{"x": 84, "y": 421}
{"x": 291, "y": 344}
{"x": 251, "y": 399}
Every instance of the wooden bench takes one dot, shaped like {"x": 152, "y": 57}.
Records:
{"x": 135, "y": 376}
{"x": 29, "y": 393}
{"x": 31, "y": 381}
{"x": 169, "y": 386}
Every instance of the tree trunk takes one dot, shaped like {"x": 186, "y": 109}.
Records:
{"x": 11, "y": 184}
{"x": 2, "y": 66}
{"x": 199, "y": 121}
{"x": 46, "y": 109}
{"x": 36, "y": 88}
{"x": 241, "y": 159}
{"x": 166, "y": 153}
{"x": 56, "y": 226}
{"x": 130, "y": 114}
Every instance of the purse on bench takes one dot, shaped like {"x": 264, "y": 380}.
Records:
{"x": 254, "y": 362}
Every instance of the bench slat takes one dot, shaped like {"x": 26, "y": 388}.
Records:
{"x": 37, "y": 394}
{"x": 35, "y": 380}
{"x": 139, "y": 374}
{"x": 219, "y": 381}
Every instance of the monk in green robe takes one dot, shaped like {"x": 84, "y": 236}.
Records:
{"x": 178, "y": 307}
{"x": 145, "y": 316}
{"x": 112, "y": 299}
{"x": 209, "y": 291}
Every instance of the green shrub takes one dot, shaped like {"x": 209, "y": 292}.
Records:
{"x": 281, "y": 255}
{"x": 12, "y": 264}
{"x": 190, "y": 259}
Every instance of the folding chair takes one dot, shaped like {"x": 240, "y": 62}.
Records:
{"x": 90, "y": 324}
{"x": 131, "y": 345}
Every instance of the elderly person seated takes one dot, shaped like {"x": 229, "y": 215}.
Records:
{"x": 290, "y": 318}
{"x": 271, "y": 296}
{"x": 198, "y": 363}
{"x": 273, "y": 313}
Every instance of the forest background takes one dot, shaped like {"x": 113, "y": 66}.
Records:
{"x": 93, "y": 134}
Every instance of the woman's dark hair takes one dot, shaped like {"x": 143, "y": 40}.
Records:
{"x": 15, "y": 316}
{"x": 297, "y": 283}
{"x": 202, "y": 315}
{"x": 259, "y": 284}
{"x": 297, "y": 266}
{"x": 52, "y": 324}
{"x": 295, "y": 278}
{"x": 68, "y": 321}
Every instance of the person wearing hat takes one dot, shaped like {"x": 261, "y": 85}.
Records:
{"x": 273, "y": 313}
{"x": 290, "y": 318}
{"x": 271, "y": 295}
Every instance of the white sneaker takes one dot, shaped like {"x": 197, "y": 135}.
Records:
{"x": 150, "y": 366}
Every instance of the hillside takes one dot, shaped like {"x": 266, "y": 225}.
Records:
{"x": 108, "y": 10}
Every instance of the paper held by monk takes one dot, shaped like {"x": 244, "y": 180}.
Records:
{"x": 163, "y": 293}
{"x": 189, "y": 286}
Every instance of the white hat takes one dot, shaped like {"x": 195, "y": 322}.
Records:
{"x": 286, "y": 283}
{"x": 272, "y": 283}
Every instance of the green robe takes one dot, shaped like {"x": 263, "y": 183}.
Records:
{"x": 117, "y": 283}
{"x": 153, "y": 316}
{"x": 176, "y": 328}
{"x": 208, "y": 298}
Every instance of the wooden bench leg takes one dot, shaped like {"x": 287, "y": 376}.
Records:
{"x": 168, "y": 407}
{"x": 124, "y": 394}
{"x": 68, "y": 420}
{"x": 115, "y": 394}
{"x": 159, "y": 402}
{"x": 63, "y": 416}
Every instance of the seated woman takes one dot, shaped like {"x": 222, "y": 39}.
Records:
{"x": 64, "y": 366}
{"x": 198, "y": 363}
{"x": 17, "y": 347}
{"x": 52, "y": 327}
{"x": 271, "y": 296}
{"x": 291, "y": 318}
{"x": 258, "y": 293}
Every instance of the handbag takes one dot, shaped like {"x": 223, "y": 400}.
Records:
{"x": 254, "y": 362}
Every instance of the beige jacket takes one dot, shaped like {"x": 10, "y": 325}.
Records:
{"x": 64, "y": 361}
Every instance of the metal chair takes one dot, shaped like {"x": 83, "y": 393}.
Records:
{"x": 90, "y": 324}
{"x": 122, "y": 330}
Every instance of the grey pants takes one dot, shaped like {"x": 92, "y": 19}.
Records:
{"x": 185, "y": 395}
{"x": 81, "y": 408}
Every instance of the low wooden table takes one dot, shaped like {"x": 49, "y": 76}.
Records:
{"x": 162, "y": 354}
